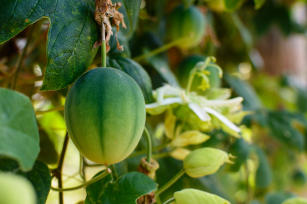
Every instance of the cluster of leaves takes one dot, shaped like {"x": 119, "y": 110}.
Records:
{"x": 193, "y": 121}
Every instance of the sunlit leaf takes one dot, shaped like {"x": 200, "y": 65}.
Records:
{"x": 127, "y": 189}
{"x": 71, "y": 35}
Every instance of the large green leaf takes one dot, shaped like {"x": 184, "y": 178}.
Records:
{"x": 130, "y": 9}
{"x": 18, "y": 129}
{"x": 71, "y": 36}
{"x": 39, "y": 176}
{"x": 127, "y": 189}
{"x": 242, "y": 88}
{"x": 161, "y": 66}
{"x": 281, "y": 126}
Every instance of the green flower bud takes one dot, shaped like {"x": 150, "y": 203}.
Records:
{"x": 15, "y": 189}
{"x": 189, "y": 195}
{"x": 204, "y": 161}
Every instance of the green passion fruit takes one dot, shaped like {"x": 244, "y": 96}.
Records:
{"x": 105, "y": 115}
{"x": 137, "y": 72}
{"x": 186, "y": 23}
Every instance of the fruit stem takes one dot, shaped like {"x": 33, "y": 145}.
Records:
{"x": 93, "y": 180}
{"x": 103, "y": 46}
{"x": 149, "y": 144}
{"x": 159, "y": 50}
{"x": 170, "y": 182}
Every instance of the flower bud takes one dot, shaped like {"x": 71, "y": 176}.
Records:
{"x": 204, "y": 161}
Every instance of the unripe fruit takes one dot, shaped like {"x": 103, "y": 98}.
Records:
{"x": 105, "y": 115}
{"x": 15, "y": 189}
{"x": 188, "y": 23}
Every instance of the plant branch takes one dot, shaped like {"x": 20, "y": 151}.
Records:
{"x": 169, "y": 201}
{"x": 58, "y": 170}
{"x": 170, "y": 182}
{"x": 20, "y": 62}
{"x": 93, "y": 180}
{"x": 59, "y": 108}
{"x": 159, "y": 50}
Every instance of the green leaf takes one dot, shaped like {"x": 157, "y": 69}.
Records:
{"x": 233, "y": 4}
{"x": 39, "y": 176}
{"x": 127, "y": 189}
{"x": 264, "y": 172}
{"x": 277, "y": 197}
{"x": 19, "y": 133}
{"x": 259, "y": 3}
{"x": 48, "y": 153}
{"x": 161, "y": 66}
{"x": 41, "y": 180}
{"x": 71, "y": 36}
{"x": 130, "y": 9}
{"x": 16, "y": 15}
{"x": 240, "y": 149}
{"x": 251, "y": 100}
{"x": 281, "y": 126}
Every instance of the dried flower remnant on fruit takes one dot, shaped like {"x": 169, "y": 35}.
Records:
{"x": 107, "y": 13}
{"x": 149, "y": 168}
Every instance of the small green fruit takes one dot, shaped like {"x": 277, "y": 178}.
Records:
{"x": 189, "y": 196}
{"x": 105, "y": 115}
{"x": 186, "y": 23}
{"x": 15, "y": 189}
{"x": 137, "y": 72}
{"x": 204, "y": 161}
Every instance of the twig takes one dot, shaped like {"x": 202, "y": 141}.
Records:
{"x": 19, "y": 64}
{"x": 58, "y": 171}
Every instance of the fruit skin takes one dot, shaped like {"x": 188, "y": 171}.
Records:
{"x": 137, "y": 72}
{"x": 188, "y": 64}
{"x": 105, "y": 115}
{"x": 15, "y": 189}
{"x": 186, "y": 23}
